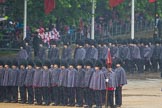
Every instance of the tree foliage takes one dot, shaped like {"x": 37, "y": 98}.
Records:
{"x": 70, "y": 11}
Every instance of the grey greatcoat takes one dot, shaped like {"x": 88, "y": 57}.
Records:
{"x": 136, "y": 53}
{"x": 22, "y": 54}
{"x": 66, "y": 53}
{"x": 1, "y": 76}
{"x": 37, "y": 80}
{"x": 46, "y": 78}
{"x": 6, "y": 76}
{"x": 80, "y": 78}
{"x": 54, "y": 76}
{"x": 147, "y": 53}
{"x": 121, "y": 76}
{"x": 29, "y": 77}
{"x": 42, "y": 53}
{"x": 53, "y": 53}
{"x": 12, "y": 77}
{"x": 21, "y": 77}
{"x": 80, "y": 53}
{"x": 98, "y": 81}
{"x": 63, "y": 77}
{"x": 112, "y": 79}
{"x": 87, "y": 77}
{"x": 71, "y": 79}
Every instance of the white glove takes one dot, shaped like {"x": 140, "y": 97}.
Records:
{"x": 107, "y": 80}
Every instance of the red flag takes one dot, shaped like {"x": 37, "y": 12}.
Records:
{"x": 109, "y": 59}
{"x": 114, "y": 3}
{"x": 152, "y": 1}
{"x": 49, "y": 5}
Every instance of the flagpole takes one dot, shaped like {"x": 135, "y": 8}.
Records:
{"x": 25, "y": 19}
{"x": 132, "y": 21}
{"x": 93, "y": 17}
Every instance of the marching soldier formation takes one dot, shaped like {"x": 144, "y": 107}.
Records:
{"x": 80, "y": 78}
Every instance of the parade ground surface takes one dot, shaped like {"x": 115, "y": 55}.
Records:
{"x": 142, "y": 91}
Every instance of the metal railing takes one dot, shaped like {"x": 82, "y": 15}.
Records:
{"x": 106, "y": 31}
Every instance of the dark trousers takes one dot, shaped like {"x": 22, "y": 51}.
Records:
{"x": 127, "y": 65}
{"x": 2, "y": 92}
{"x": 79, "y": 96}
{"x": 55, "y": 95}
{"x": 118, "y": 96}
{"x": 36, "y": 50}
{"x": 46, "y": 95}
{"x": 141, "y": 66}
{"x": 30, "y": 95}
{"x": 98, "y": 98}
{"x": 88, "y": 96}
{"x": 11, "y": 93}
{"x": 137, "y": 65}
{"x": 38, "y": 95}
{"x": 63, "y": 95}
{"x": 103, "y": 96}
{"x": 155, "y": 63}
{"x": 147, "y": 65}
{"x": 110, "y": 98}
{"x": 23, "y": 94}
{"x": 132, "y": 66}
{"x": 14, "y": 93}
{"x": 7, "y": 94}
{"x": 71, "y": 95}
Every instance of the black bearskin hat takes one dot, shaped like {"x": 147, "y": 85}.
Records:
{"x": 47, "y": 63}
{"x": 23, "y": 62}
{"x": 53, "y": 42}
{"x": 72, "y": 62}
{"x": 64, "y": 63}
{"x": 55, "y": 62}
{"x": 22, "y": 44}
{"x": 118, "y": 62}
{"x": 80, "y": 43}
{"x": 1, "y": 62}
{"x": 14, "y": 62}
{"x": 8, "y": 62}
{"x": 31, "y": 63}
{"x": 38, "y": 63}
{"x": 98, "y": 64}
{"x": 80, "y": 62}
{"x": 89, "y": 63}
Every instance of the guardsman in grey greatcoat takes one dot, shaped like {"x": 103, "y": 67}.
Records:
{"x": 79, "y": 83}
{"x": 97, "y": 83}
{"x": 1, "y": 80}
{"x": 46, "y": 82}
{"x": 63, "y": 83}
{"x": 21, "y": 80}
{"x": 147, "y": 56}
{"x": 66, "y": 52}
{"x": 37, "y": 82}
{"x": 28, "y": 49}
{"x": 71, "y": 78}
{"x": 42, "y": 52}
{"x": 155, "y": 59}
{"x": 93, "y": 52}
{"x": 55, "y": 72}
{"x": 29, "y": 81}
{"x": 121, "y": 81}
{"x": 7, "y": 70}
{"x": 80, "y": 51}
{"x": 111, "y": 80}
{"x": 53, "y": 52}
{"x": 22, "y": 54}
{"x": 87, "y": 78}
{"x": 12, "y": 81}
